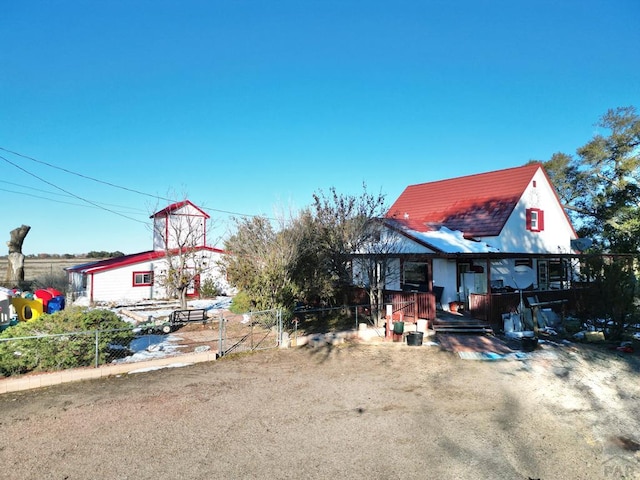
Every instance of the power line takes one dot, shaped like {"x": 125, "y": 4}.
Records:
{"x": 69, "y": 193}
{"x": 58, "y": 201}
{"x": 30, "y": 194}
{"x": 83, "y": 176}
{"x": 227, "y": 212}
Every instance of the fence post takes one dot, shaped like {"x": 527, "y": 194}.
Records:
{"x": 356, "y": 307}
{"x": 220, "y": 335}
{"x": 97, "y": 349}
{"x": 280, "y": 327}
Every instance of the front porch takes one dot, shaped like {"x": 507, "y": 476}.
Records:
{"x": 484, "y": 311}
{"x": 410, "y": 307}
{"x": 447, "y": 322}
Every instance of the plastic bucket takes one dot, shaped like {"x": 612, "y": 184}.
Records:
{"x": 421, "y": 325}
{"x": 398, "y": 328}
{"x": 414, "y": 338}
{"x": 529, "y": 344}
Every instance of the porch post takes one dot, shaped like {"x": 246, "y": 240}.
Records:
{"x": 431, "y": 300}
{"x": 488, "y": 307}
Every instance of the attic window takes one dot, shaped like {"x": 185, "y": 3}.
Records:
{"x": 535, "y": 219}
{"x": 142, "y": 279}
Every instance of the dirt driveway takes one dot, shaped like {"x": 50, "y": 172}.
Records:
{"x": 387, "y": 411}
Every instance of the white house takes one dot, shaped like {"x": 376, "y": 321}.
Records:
{"x": 137, "y": 277}
{"x": 498, "y": 231}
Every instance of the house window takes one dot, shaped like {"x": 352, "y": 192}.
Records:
{"x": 535, "y": 219}
{"x": 142, "y": 279}
{"x": 415, "y": 276}
{"x": 556, "y": 270}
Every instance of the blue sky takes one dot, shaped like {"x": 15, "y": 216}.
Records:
{"x": 250, "y": 107}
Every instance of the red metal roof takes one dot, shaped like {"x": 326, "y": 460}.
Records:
{"x": 123, "y": 261}
{"x": 478, "y": 205}
{"x": 176, "y": 206}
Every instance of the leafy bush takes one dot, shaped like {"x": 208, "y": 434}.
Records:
{"x": 241, "y": 303}
{"x": 72, "y": 342}
{"x": 616, "y": 294}
{"x": 209, "y": 289}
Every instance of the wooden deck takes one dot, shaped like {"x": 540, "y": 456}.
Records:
{"x": 447, "y": 322}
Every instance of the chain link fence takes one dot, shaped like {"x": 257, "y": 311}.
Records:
{"x": 220, "y": 334}
{"x": 325, "y": 319}
{"x": 251, "y": 331}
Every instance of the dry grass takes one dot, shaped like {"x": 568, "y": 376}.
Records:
{"x": 38, "y": 267}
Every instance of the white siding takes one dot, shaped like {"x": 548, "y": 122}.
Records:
{"x": 444, "y": 275}
{"x": 116, "y": 285}
{"x": 187, "y": 227}
{"x": 557, "y": 234}
{"x": 213, "y": 272}
{"x": 159, "y": 228}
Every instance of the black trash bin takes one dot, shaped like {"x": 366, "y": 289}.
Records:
{"x": 529, "y": 344}
{"x": 414, "y": 338}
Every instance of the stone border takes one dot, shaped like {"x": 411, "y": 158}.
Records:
{"x": 28, "y": 382}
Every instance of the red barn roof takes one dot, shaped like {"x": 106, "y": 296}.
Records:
{"x": 478, "y": 205}
{"x": 125, "y": 260}
{"x": 176, "y": 206}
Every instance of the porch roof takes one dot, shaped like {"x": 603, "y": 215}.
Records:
{"x": 442, "y": 240}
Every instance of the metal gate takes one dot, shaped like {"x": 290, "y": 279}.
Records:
{"x": 250, "y": 331}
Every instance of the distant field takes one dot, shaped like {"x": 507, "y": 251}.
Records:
{"x": 37, "y": 267}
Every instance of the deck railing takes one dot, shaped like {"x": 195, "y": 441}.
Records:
{"x": 487, "y": 307}
{"x": 412, "y": 305}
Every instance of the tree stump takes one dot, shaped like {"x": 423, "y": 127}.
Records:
{"x": 15, "y": 267}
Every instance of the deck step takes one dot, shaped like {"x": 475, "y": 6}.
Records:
{"x": 463, "y": 329}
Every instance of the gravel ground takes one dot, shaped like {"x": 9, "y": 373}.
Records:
{"x": 387, "y": 411}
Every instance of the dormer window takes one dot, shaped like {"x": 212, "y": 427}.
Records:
{"x": 535, "y": 219}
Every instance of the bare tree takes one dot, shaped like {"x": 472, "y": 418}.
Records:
{"x": 355, "y": 244}
{"x": 15, "y": 267}
{"x": 376, "y": 265}
{"x": 182, "y": 235}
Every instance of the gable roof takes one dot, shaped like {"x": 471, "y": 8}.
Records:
{"x": 177, "y": 206}
{"x": 477, "y": 205}
{"x": 125, "y": 260}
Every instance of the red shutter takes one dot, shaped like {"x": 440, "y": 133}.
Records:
{"x": 528, "y": 217}
{"x": 540, "y": 220}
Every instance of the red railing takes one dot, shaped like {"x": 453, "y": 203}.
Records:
{"x": 491, "y": 307}
{"x": 411, "y": 305}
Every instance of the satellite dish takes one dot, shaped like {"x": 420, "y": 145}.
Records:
{"x": 581, "y": 244}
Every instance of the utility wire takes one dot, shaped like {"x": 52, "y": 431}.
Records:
{"x": 107, "y": 183}
{"x": 53, "y": 200}
{"x": 69, "y": 193}
{"x": 134, "y": 210}
{"x": 81, "y": 175}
